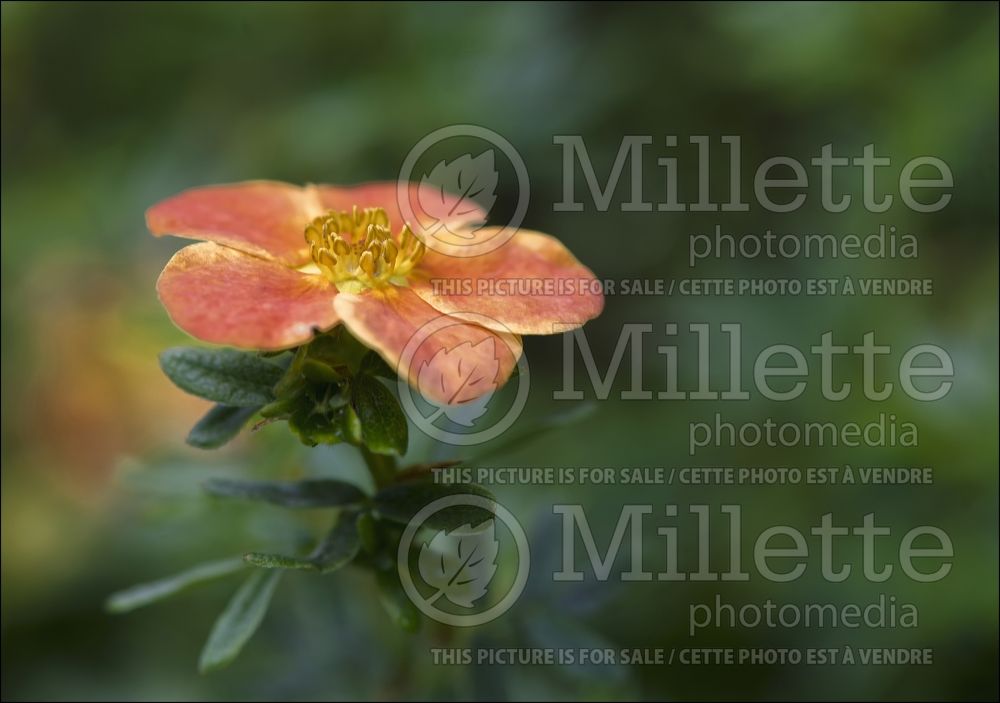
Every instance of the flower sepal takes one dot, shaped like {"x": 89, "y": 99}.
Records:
{"x": 328, "y": 391}
{"x": 321, "y": 414}
{"x": 331, "y": 394}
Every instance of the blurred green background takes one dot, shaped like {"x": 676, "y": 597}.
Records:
{"x": 108, "y": 108}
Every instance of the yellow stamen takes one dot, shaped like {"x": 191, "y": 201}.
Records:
{"x": 356, "y": 250}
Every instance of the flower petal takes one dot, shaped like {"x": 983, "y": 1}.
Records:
{"x": 225, "y": 296}
{"x": 265, "y": 218}
{"x": 532, "y": 284}
{"x": 446, "y": 359}
{"x": 422, "y": 206}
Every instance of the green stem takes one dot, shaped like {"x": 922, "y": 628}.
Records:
{"x": 381, "y": 467}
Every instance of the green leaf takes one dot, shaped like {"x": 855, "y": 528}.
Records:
{"x": 367, "y": 532}
{"x": 400, "y": 502}
{"x": 276, "y": 354}
{"x": 310, "y": 493}
{"x": 219, "y": 425}
{"x": 279, "y": 409}
{"x": 383, "y": 425}
{"x": 292, "y": 380}
{"x": 146, "y": 593}
{"x": 267, "y": 560}
{"x": 226, "y": 376}
{"x": 340, "y": 546}
{"x": 374, "y": 365}
{"x": 395, "y": 601}
{"x": 237, "y": 623}
{"x": 319, "y": 372}
{"x": 541, "y": 426}
{"x": 351, "y": 425}
{"x": 337, "y": 549}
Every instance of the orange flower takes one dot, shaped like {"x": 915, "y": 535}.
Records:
{"x": 282, "y": 262}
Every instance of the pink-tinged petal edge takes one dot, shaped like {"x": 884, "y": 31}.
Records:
{"x": 265, "y": 218}
{"x": 456, "y": 362}
{"x": 531, "y": 284}
{"x": 224, "y": 296}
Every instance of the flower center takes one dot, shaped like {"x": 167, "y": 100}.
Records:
{"x": 355, "y": 250}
